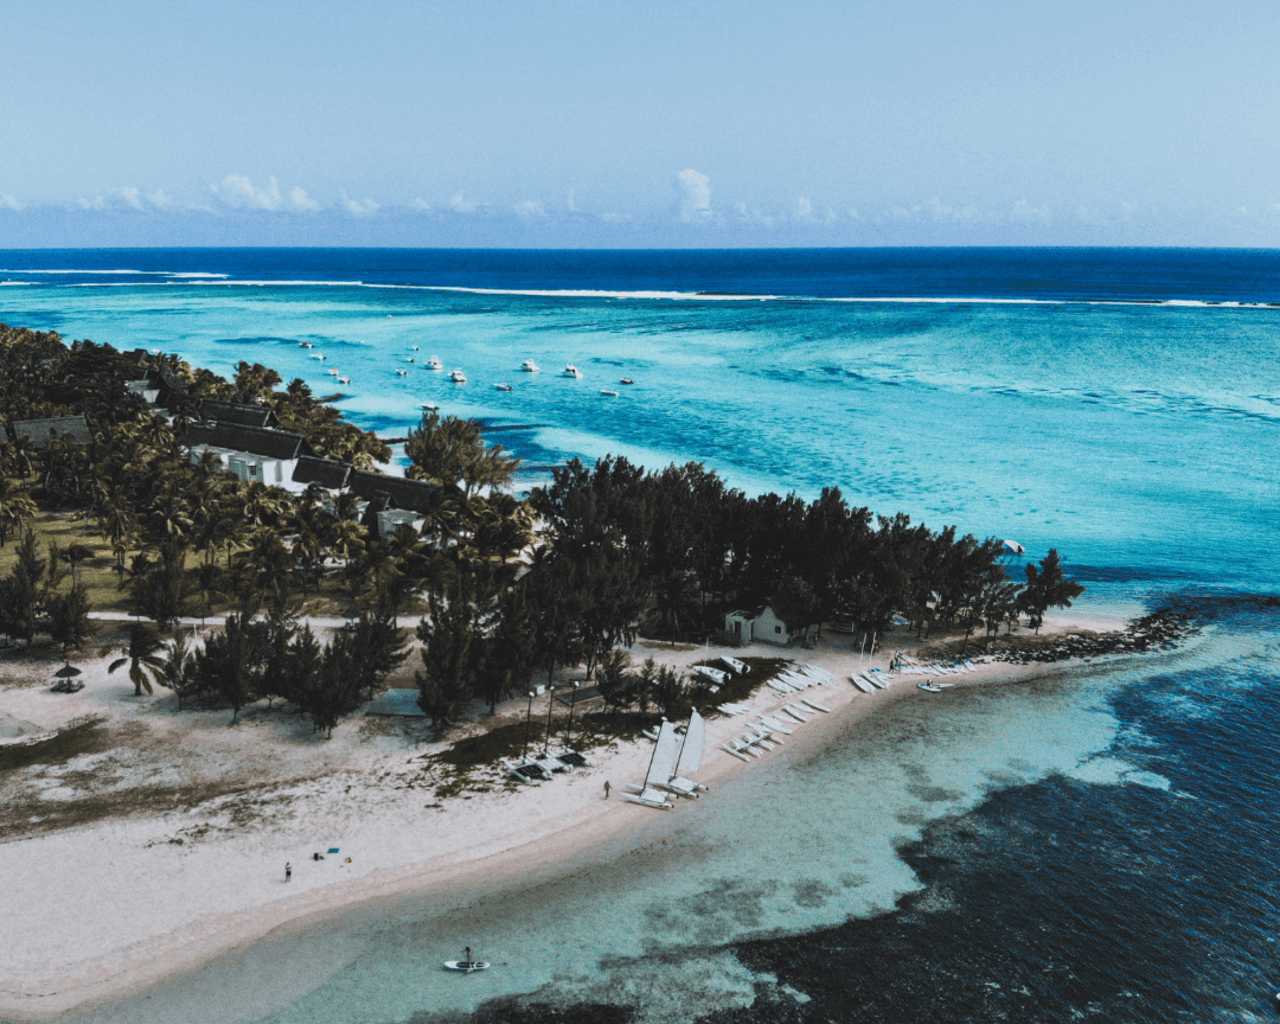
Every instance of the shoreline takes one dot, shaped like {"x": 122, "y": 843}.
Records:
{"x": 480, "y": 845}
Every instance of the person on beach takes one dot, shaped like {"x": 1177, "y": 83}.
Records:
{"x": 606, "y": 789}
{"x": 288, "y": 872}
{"x": 466, "y": 953}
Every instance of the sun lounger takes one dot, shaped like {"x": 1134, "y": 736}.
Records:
{"x": 816, "y": 706}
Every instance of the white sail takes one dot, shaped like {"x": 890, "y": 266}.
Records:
{"x": 665, "y": 752}
{"x": 695, "y": 739}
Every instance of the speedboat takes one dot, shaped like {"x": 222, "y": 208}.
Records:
{"x": 344, "y": 380}
{"x": 402, "y": 373}
{"x": 457, "y": 376}
{"x": 606, "y": 391}
{"x": 429, "y": 407}
{"x": 305, "y": 344}
{"x": 571, "y": 371}
{"x": 317, "y": 355}
{"x": 434, "y": 363}
{"x": 333, "y": 373}
{"x": 414, "y": 347}
{"x": 529, "y": 366}
{"x": 626, "y": 380}
{"x": 503, "y": 387}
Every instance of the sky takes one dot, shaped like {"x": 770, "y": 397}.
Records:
{"x": 654, "y": 124}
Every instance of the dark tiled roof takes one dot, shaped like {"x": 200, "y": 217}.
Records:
{"x": 269, "y": 444}
{"x": 325, "y": 472}
{"x": 416, "y": 495}
{"x": 237, "y": 413}
{"x": 41, "y": 431}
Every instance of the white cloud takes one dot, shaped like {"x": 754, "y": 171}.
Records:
{"x": 616, "y": 218}
{"x": 529, "y": 209}
{"x": 853, "y": 214}
{"x": 804, "y": 210}
{"x": 750, "y": 215}
{"x": 421, "y": 205}
{"x": 96, "y": 203}
{"x": 935, "y": 210}
{"x": 1024, "y": 213}
{"x": 1090, "y": 215}
{"x": 569, "y": 204}
{"x": 132, "y": 197}
{"x": 359, "y": 207}
{"x": 461, "y": 204}
{"x": 8, "y": 202}
{"x": 695, "y": 196}
{"x": 237, "y": 192}
{"x": 1127, "y": 210}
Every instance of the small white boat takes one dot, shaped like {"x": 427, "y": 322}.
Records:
{"x": 931, "y": 687}
{"x": 434, "y": 363}
{"x": 503, "y": 387}
{"x": 466, "y": 965}
{"x": 333, "y": 373}
{"x": 429, "y": 406}
{"x": 734, "y": 665}
{"x": 571, "y": 371}
{"x": 305, "y": 344}
{"x": 457, "y": 376}
{"x": 344, "y": 380}
{"x": 414, "y": 347}
{"x": 402, "y": 373}
{"x": 626, "y": 380}
{"x": 317, "y": 355}
{"x": 529, "y": 366}
{"x": 606, "y": 391}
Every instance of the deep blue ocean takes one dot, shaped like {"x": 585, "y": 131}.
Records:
{"x": 1096, "y": 846}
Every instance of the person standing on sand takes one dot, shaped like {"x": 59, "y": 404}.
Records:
{"x": 606, "y": 789}
{"x": 288, "y": 872}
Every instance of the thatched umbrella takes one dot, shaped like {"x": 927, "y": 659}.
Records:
{"x": 69, "y": 672}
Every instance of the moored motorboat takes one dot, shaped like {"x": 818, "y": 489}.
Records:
{"x": 529, "y": 366}
{"x": 610, "y": 393}
{"x": 626, "y": 380}
{"x": 457, "y": 376}
{"x": 305, "y": 344}
{"x": 344, "y": 380}
{"x": 571, "y": 371}
{"x": 503, "y": 387}
{"x": 434, "y": 363}
{"x": 402, "y": 373}
{"x": 429, "y": 407}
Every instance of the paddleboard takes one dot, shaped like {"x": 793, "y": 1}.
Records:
{"x": 467, "y": 965}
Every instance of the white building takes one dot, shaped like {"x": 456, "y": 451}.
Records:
{"x": 762, "y": 627}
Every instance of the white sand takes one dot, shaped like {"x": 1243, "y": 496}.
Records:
{"x": 99, "y": 909}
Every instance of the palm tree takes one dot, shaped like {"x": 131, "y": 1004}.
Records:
{"x": 139, "y": 655}
{"x": 15, "y": 509}
{"x": 178, "y": 669}
{"x": 74, "y": 555}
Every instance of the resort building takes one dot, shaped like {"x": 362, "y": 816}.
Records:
{"x": 249, "y": 453}
{"x": 42, "y": 431}
{"x": 762, "y": 627}
{"x": 237, "y": 413}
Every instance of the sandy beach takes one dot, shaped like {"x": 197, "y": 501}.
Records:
{"x": 109, "y": 892}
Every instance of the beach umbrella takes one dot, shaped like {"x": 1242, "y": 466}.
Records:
{"x": 67, "y": 673}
